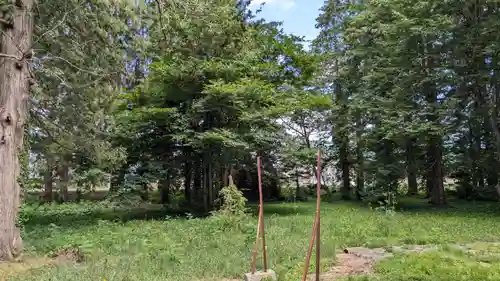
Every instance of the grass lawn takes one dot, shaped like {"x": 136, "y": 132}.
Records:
{"x": 126, "y": 247}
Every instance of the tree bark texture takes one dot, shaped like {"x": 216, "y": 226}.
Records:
{"x": 15, "y": 44}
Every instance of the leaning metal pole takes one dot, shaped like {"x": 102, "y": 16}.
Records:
{"x": 316, "y": 226}
{"x": 260, "y": 224}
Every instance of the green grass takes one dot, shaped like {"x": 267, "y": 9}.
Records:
{"x": 121, "y": 245}
{"x": 445, "y": 265}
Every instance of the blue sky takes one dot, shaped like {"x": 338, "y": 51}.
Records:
{"x": 298, "y": 16}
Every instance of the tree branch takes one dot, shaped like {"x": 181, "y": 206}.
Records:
{"x": 291, "y": 127}
{"x": 41, "y": 123}
{"x": 6, "y": 23}
{"x": 53, "y": 28}
{"x": 9, "y": 56}
{"x": 49, "y": 57}
{"x": 158, "y": 4}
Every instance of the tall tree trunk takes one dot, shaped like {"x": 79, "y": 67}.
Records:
{"x": 218, "y": 179}
{"x": 388, "y": 175}
{"x": 434, "y": 151}
{"x": 428, "y": 183}
{"x": 205, "y": 173}
{"x": 297, "y": 183}
{"x": 465, "y": 188}
{"x": 411, "y": 168}
{"x": 494, "y": 117}
{"x": 117, "y": 179}
{"x": 492, "y": 173}
{"x": 210, "y": 183}
{"x": 197, "y": 192}
{"x": 340, "y": 136}
{"x": 188, "y": 177}
{"x": 463, "y": 174}
{"x": 344, "y": 162}
{"x": 360, "y": 159}
{"x": 63, "y": 182}
{"x": 15, "y": 44}
{"x": 48, "y": 180}
{"x": 476, "y": 140}
{"x": 165, "y": 189}
{"x": 435, "y": 174}
{"x": 270, "y": 184}
{"x": 225, "y": 176}
{"x": 434, "y": 147}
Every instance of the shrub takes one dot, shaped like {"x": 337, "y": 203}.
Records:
{"x": 233, "y": 201}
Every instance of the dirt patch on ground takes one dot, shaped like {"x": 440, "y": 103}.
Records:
{"x": 11, "y": 268}
{"x": 360, "y": 261}
{"x": 354, "y": 261}
{"x": 67, "y": 255}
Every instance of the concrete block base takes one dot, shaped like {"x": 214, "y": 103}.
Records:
{"x": 261, "y": 276}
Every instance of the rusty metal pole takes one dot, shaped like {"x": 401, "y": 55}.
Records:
{"x": 318, "y": 219}
{"x": 309, "y": 250}
{"x": 260, "y": 225}
{"x": 261, "y": 214}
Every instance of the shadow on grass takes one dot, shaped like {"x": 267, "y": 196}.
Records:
{"x": 81, "y": 217}
{"x": 455, "y": 207}
{"x": 72, "y": 196}
{"x": 282, "y": 208}
{"x": 86, "y": 214}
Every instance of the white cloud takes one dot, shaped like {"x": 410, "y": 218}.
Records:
{"x": 282, "y": 4}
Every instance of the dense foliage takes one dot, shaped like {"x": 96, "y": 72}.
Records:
{"x": 182, "y": 95}
{"x": 416, "y": 84}
{"x": 402, "y": 97}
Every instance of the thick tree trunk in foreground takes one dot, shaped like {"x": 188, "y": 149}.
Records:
{"x": 15, "y": 43}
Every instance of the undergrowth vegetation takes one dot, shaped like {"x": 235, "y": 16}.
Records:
{"x": 152, "y": 244}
